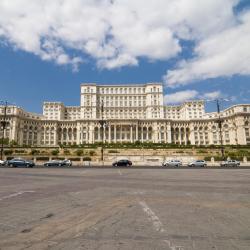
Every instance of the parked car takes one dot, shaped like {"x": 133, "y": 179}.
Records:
{"x": 2, "y": 163}
{"x": 197, "y": 163}
{"x": 19, "y": 162}
{"x": 172, "y": 163}
{"x": 58, "y": 163}
{"x": 230, "y": 163}
{"x": 122, "y": 163}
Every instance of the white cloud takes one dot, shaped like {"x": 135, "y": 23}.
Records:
{"x": 222, "y": 54}
{"x": 119, "y": 32}
{"x": 187, "y": 95}
{"x": 180, "y": 96}
{"x": 211, "y": 95}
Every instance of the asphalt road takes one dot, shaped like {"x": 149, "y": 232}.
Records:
{"x": 137, "y": 167}
{"x": 106, "y": 209}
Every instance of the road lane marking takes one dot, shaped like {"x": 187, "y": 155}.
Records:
{"x": 153, "y": 217}
{"x": 158, "y": 224}
{"x": 15, "y": 194}
{"x": 7, "y": 225}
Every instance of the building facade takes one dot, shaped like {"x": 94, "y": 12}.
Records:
{"x": 126, "y": 113}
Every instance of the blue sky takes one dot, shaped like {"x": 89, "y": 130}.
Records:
{"x": 193, "y": 61}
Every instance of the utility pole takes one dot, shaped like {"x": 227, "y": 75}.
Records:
{"x": 220, "y": 129}
{"x": 3, "y": 126}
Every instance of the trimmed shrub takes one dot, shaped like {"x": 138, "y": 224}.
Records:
{"x": 18, "y": 151}
{"x": 66, "y": 152}
{"x": 55, "y": 152}
{"x": 8, "y": 152}
{"x": 79, "y": 152}
{"x": 207, "y": 158}
{"x": 34, "y": 152}
{"x": 92, "y": 153}
{"x": 86, "y": 158}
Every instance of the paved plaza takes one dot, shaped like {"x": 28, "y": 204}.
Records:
{"x": 105, "y": 209}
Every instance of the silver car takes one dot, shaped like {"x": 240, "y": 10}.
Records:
{"x": 230, "y": 163}
{"x": 2, "y": 163}
{"x": 172, "y": 163}
{"x": 197, "y": 163}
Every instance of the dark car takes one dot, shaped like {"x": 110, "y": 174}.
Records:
{"x": 122, "y": 163}
{"x": 230, "y": 163}
{"x": 198, "y": 163}
{"x": 18, "y": 162}
{"x": 58, "y": 163}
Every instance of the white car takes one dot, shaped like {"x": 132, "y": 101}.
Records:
{"x": 197, "y": 163}
{"x": 230, "y": 163}
{"x": 172, "y": 163}
{"x": 2, "y": 163}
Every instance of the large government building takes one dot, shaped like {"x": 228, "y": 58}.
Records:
{"x": 126, "y": 113}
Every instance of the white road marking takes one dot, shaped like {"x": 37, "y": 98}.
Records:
{"x": 7, "y": 225}
{"x": 119, "y": 171}
{"x": 136, "y": 193}
{"x": 15, "y": 194}
{"x": 152, "y": 216}
{"x": 158, "y": 224}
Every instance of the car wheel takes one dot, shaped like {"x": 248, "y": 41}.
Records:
{"x": 192, "y": 165}
{"x": 11, "y": 165}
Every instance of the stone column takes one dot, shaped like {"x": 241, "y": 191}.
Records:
{"x": 232, "y": 135}
{"x": 131, "y": 133}
{"x": 169, "y": 139}
{"x": 78, "y": 131}
{"x": 142, "y": 135}
{"x": 104, "y": 134}
{"x": 165, "y": 135}
{"x": 192, "y": 139}
{"x": 115, "y": 133}
{"x": 98, "y": 133}
{"x": 109, "y": 133}
{"x": 241, "y": 137}
{"x": 147, "y": 134}
{"x": 136, "y": 132}
{"x": 185, "y": 136}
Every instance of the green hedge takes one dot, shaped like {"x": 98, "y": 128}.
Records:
{"x": 112, "y": 151}
{"x": 207, "y": 158}
{"x": 42, "y": 158}
{"x": 57, "y": 158}
{"x": 74, "y": 159}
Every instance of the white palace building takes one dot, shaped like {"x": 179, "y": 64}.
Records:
{"x": 126, "y": 113}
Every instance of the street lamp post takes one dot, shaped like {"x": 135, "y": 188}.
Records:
{"x": 220, "y": 121}
{"x": 220, "y": 129}
{"x": 102, "y": 128}
{"x": 3, "y": 126}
